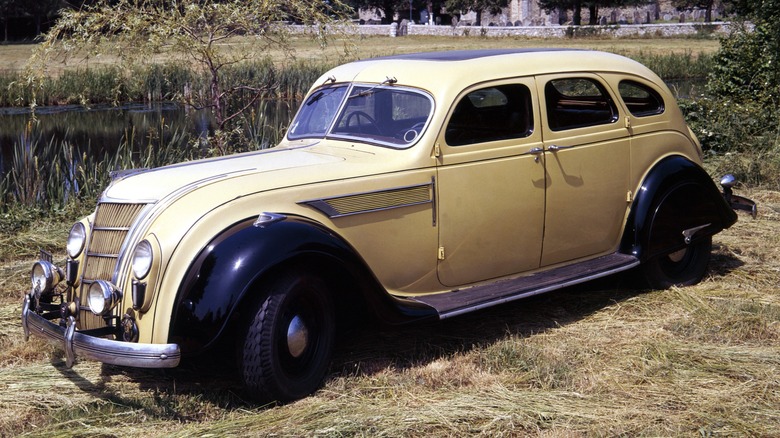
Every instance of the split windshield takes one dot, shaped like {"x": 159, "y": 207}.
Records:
{"x": 384, "y": 115}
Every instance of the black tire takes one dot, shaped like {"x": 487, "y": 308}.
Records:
{"x": 681, "y": 268}
{"x": 288, "y": 342}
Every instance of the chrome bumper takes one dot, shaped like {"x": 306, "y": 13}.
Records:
{"x": 99, "y": 349}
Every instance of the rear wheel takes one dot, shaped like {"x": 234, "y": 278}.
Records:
{"x": 288, "y": 343}
{"x": 681, "y": 268}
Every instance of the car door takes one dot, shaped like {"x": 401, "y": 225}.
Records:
{"x": 490, "y": 184}
{"x": 587, "y": 156}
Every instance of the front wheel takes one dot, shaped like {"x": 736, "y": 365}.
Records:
{"x": 288, "y": 343}
{"x": 681, "y": 268}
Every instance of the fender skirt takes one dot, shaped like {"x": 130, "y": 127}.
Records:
{"x": 220, "y": 277}
{"x": 677, "y": 204}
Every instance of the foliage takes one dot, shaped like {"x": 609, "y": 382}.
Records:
{"x": 748, "y": 63}
{"x": 186, "y": 30}
{"x": 742, "y": 117}
{"x": 739, "y": 137}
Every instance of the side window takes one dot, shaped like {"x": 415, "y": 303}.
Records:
{"x": 489, "y": 114}
{"x": 578, "y": 102}
{"x": 640, "y": 99}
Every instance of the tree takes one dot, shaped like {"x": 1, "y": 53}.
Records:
{"x": 9, "y": 9}
{"x": 188, "y": 30}
{"x": 478, "y": 6}
{"x": 41, "y": 9}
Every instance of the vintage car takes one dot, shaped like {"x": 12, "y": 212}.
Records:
{"x": 407, "y": 187}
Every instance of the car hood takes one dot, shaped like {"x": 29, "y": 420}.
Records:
{"x": 291, "y": 165}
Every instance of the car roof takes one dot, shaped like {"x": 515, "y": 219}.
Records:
{"x": 461, "y": 55}
{"x": 445, "y": 72}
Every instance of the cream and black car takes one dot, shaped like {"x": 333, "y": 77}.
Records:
{"x": 407, "y": 187}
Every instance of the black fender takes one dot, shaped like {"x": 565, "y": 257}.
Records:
{"x": 676, "y": 196}
{"x": 222, "y": 276}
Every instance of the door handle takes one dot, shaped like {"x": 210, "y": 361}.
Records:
{"x": 556, "y": 148}
{"x": 534, "y": 151}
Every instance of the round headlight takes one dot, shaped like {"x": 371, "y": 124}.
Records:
{"x": 76, "y": 240}
{"x": 45, "y": 276}
{"x": 102, "y": 297}
{"x": 142, "y": 259}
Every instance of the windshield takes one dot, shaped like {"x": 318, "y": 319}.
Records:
{"x": 385, "y": 115}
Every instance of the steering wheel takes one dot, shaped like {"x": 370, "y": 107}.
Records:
{"x": 411, "y": 134}
{"x": 357, "y": 115}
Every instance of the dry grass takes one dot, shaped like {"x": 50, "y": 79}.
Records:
{"x": 602, "y": 359}
{"x": 15, "y": 56}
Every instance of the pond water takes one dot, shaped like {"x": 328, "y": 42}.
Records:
{"x": 104, "y": 127}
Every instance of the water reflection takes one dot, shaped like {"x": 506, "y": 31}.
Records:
{"x": 102, "y": 128}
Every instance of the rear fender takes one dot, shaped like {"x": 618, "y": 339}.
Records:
{"x": 677, "y": 204}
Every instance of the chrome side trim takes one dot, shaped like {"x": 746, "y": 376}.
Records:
{"x": 108, "y": 351}
{"x": 373, "y": 201}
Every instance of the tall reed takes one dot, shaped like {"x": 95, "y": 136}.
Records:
{"x": 157, "y": 82}
{"x": 50, "y": 174}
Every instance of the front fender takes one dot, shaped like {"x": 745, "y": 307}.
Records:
{"x": 225, "y": 269}
{"x": 223, "y": 274}
{"x": 677, "y": 198}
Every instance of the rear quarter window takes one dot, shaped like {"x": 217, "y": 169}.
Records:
{"x": 577, "y": 103}
{"x": 641, "y": 100}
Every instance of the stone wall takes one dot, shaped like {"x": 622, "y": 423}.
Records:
{"x": 616, "y": 31}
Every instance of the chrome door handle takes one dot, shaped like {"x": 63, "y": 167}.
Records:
{"x": 534, "y": 151}
{"x": 556, "y": 148}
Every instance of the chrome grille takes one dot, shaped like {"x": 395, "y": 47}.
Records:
{"x": 112, "y": 223}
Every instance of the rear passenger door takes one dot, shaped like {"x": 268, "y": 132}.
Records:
{"x": 587, "y": 156}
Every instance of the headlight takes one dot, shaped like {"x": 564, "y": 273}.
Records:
{"x": 45, "y": 276}
{"x": 76, "y": 240}
{"x": 102, "y": 297}
{"x": 142, "y": 259}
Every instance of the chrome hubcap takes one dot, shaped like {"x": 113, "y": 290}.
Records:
{"x": 297, "y": 336}
{"x": 677, "y": 256}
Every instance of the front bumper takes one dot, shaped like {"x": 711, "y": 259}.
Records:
{"x": 77, "y": 344}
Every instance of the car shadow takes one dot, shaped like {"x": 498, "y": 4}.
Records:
{"x": 366, "y": 349}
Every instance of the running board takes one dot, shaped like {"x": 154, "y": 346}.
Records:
{"x": 466, "y": 300}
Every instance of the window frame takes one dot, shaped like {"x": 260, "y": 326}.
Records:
{"x": 523, "y": 105}
{"x": 577, "y": 107}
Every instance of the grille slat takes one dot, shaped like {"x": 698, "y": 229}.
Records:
{"x": 107, "y": 241}
{"x": 112, "y": 223}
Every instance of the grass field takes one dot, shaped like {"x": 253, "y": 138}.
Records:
{"x": 14, "y": 56}
{"x": 600, "y": 359}
{"x": 603, "y": 359}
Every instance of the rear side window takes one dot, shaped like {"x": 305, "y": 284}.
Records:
{"x": 640, "y": 99}
{"x": 577, "y": 103}
{"x": 494, "y": 113}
